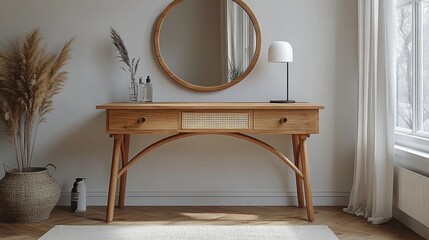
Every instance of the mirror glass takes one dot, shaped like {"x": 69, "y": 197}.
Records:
{"x": 208, "y": 43}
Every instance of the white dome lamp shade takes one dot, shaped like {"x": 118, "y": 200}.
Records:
{"x": 281, "y": 52}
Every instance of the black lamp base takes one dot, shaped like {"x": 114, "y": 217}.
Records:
{"x": 282, "y": 101}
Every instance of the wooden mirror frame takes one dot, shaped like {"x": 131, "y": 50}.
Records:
{"x": 186, "y": 84}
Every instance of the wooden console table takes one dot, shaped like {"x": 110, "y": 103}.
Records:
{"x": 191, "y": 119}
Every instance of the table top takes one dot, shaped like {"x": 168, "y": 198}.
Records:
{"x": 209, "y": 105}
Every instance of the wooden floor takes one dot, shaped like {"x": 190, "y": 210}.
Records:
{"x": 345, "y": 226}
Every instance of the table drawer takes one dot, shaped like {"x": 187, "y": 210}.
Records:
{"x": 162, "y": 120}
{"x": 287, "y": 121}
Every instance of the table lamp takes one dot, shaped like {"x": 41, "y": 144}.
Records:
{"x": 281, "y": 52}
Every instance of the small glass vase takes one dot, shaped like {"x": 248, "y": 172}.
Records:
{"x": 133, "y": 92}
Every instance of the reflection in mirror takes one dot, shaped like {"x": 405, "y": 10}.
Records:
{"x": 207, "y": 42}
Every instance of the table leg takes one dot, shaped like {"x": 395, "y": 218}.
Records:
{"x": 123, "y": 184}
{"x": 113, "y": 177}
{"x": 306, "y": 173}
{"x": 298, "y": 164}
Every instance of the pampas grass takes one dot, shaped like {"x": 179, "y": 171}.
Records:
{"x": 123, "y": 55}
{"x": 29, "y": 78}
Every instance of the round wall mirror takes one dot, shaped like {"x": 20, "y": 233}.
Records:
{"x": 207, "y": 45}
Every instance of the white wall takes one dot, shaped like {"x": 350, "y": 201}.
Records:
{"x": 205, "y": 169}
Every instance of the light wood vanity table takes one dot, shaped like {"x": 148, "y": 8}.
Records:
{"x": 230, "y": 119}
{"x": 231, "y": 60}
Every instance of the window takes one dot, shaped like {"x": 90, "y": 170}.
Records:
{"x": 412, "y": 103}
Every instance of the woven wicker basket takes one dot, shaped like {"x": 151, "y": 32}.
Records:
{"x": 28, "y": 196}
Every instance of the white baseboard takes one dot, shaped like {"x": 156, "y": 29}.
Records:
{"x": 411, "y": 223}
{"x": 213, "y": 199}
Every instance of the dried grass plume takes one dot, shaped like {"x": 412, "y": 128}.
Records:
{"x": 123, "y": 54}
{"x": 29, "y": 78}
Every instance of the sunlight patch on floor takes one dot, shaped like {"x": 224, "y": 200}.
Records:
{"x": 221, "y": 216}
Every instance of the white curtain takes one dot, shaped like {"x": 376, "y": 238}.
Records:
{"x": 241, "y": 36}
{"x": 371, "y": 195}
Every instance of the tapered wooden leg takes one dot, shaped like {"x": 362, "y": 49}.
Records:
{"x": 297, "y": 158}
{"x": 125, "y": 149}
{"x": 113, "y": 177}
{"x": 306, "y": 173}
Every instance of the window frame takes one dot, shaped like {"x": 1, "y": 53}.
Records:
{"x": 415, "y": 138}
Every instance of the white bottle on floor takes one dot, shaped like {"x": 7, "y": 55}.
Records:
{"x": 81, "y": 195}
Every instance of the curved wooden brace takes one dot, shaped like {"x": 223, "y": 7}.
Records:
{"x": 268, "y": 147}
{"x": 172, "y": 138}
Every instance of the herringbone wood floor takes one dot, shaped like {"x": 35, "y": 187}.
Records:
{"x": 345, "y": 226}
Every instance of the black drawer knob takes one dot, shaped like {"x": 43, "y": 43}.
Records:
{"x": 142, "y": 119}
{"x": 283, "y": 120}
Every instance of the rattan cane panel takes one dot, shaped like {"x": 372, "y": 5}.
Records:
{"x": 215, "y": 120}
